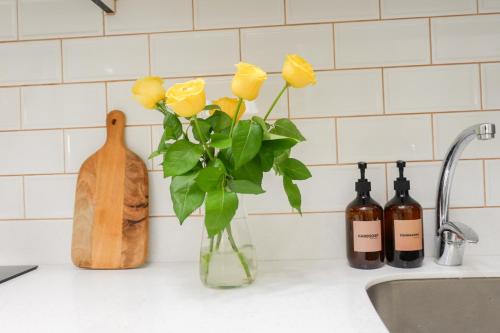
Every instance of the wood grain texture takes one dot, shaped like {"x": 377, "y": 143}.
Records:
{"x": 110, "y": 224}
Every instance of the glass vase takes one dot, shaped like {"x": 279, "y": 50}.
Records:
{"x": 227, "y": 260}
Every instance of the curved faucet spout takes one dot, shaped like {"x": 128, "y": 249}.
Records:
{"x": 484, "y": 131}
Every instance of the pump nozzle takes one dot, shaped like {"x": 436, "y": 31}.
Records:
{"x": 401, "y": 184}
{"x": 363, "y": 186}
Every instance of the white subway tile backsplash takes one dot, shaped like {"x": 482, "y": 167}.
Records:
{"x": 339, "y": 93}
{"x": 432, "y": 89}
{"x": 71, "y": 105}
{"x": 138, "y": 139}
{"x": 160, "y": 203}
{"x": 150, "y": 16}
{"x": 492, "y": 177}
{"x": 31, "y": 152}
{"x": 465, "y": 39}
{"x": 185, "y": 53}
{"x": 448, "y": 126}
{"x": 490, "y": 74}
{"x": 467, "y": 190}
{"x": 35, "y": 242}
{"x": 10, "y": 109}
{"x": 489, "y": 6}
{"x": 337, "y": 187}
{"x": 217, "y": 87}
{"x": 170, "y": 242}
{"x": 384, "y": 138}
{"x": 383, "y": 43}
{"x": 409, "y": 8}
{"x": 50, "y": 196}
{"x": 485, "y": 222}
{"x": 30, "y": 62}
{"x": 8, "y": 20}
{"x": 209, "y": 14}
{"x": 281, "y": 237}
{"x": 58, "y": 18}
{"x": 105, "y": 58}
{"x": 303, "y": 11}
{"x": 273, "y": 201}
{"x": 267, "y": 47}
{"x": 80, "y": 144}
{"x": 320, "y": 144}
{"x": 11, "y": 197}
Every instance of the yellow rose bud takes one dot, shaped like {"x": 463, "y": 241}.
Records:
{"x": 247, "y": 81}
{"x": 297, "y": 71}
{"x": 228, "y": 106}
{"x": 187, "y": 99}
{"x": 148, "y": 91}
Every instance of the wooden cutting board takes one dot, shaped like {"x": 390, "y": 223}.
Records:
{"x": 110, "y": 225}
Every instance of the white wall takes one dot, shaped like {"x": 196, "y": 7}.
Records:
{"x": 396, "y": 80}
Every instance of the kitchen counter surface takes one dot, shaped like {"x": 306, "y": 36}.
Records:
{"x": 288, "y": 296}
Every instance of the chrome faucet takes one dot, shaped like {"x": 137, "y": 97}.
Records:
{"x": 451, "y": 237}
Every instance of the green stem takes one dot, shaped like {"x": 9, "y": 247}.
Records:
{"x": 235, "y": 118}
{"x": 276, "y": 100}
{"x": 219, "y": 239}
{"x": 202, "y": 139}
{"x": 241, "y": 257}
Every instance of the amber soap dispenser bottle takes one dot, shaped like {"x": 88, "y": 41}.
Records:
{"x": 364, "y": 225}
{"x": 404, "y": 239}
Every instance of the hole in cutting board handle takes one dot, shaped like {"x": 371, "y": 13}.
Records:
{"x": 113, "y": 121}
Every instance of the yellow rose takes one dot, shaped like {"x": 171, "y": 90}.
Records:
{"x": 148, "y": 91}
{"x": 187, "y": 99}
{"x": 247, "y": 81}
{"x": 297, "y": 71}
{"x": 228, "y": 106}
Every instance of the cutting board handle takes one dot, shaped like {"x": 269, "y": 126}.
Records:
{"x": 115, "y": 125}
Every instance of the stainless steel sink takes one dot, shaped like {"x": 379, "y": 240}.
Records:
{"x": 465, "y": 305}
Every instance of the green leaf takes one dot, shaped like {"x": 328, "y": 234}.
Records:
{"x": 245, "y": 186}
{"x": 226, "y": 156}
{"x": 279, "y": 145}
{"x": 181, "y": 157}
{"x": 287, "y": 128}
{"x": 220, "y": 209}
{"x": 293, "y": 193}
{"x": 186, "y": 195}
{"x": 209, "y": 178}
{"x": 247, "y": 140}
{"x": 271, "y": 136}
{"x": 262, "y": 123}
{"x": 204, "y": 129}
{"x": 211, "y": 107}
{"x": 219, "y": 121}
{"x": 154, "y": 154}
{"x": 220, "y": 141}
{"x": 251, "y": 171}
{"x": 266, "y": 157}
{"x": 217, "y": 163}
{"x": 172, "y": 127}
{"x": 294, "y": 169}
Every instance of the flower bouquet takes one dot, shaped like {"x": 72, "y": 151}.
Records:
{"x": 214, "y": 159}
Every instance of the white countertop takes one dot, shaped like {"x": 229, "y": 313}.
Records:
{"x": 288, "y": 296}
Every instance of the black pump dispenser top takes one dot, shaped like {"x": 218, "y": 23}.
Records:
{"x": 363, "y": 186}
{"x": 401, "y": 184}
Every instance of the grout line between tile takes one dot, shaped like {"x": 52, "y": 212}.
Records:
{"x": 17, "y": 20}
{"x": 481, "y": 87}
{"x": 192, "y": 15}
{"x": 24, "y": 197}
{"x": 319, "y": 70}
{"x": 430, "y": 41}
{"x": 383, "y": 90}
{"x": 336, "y": 141}
{"x": 380, "y": 9}
{"x": 62, "y": 60}
{"x": 255, "y": 27}
{"x": 484, "y": 183}
{"x": 239, "y": 44}
{"x": 64, "y": 150}
{"x": 333, "y": 46}
{"x": 386, "y": 183}
{"x": 284, "y": 12}
{"x": 433, "y": 137}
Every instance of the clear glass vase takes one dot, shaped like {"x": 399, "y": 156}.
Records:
{"x": 227, "y": 260}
